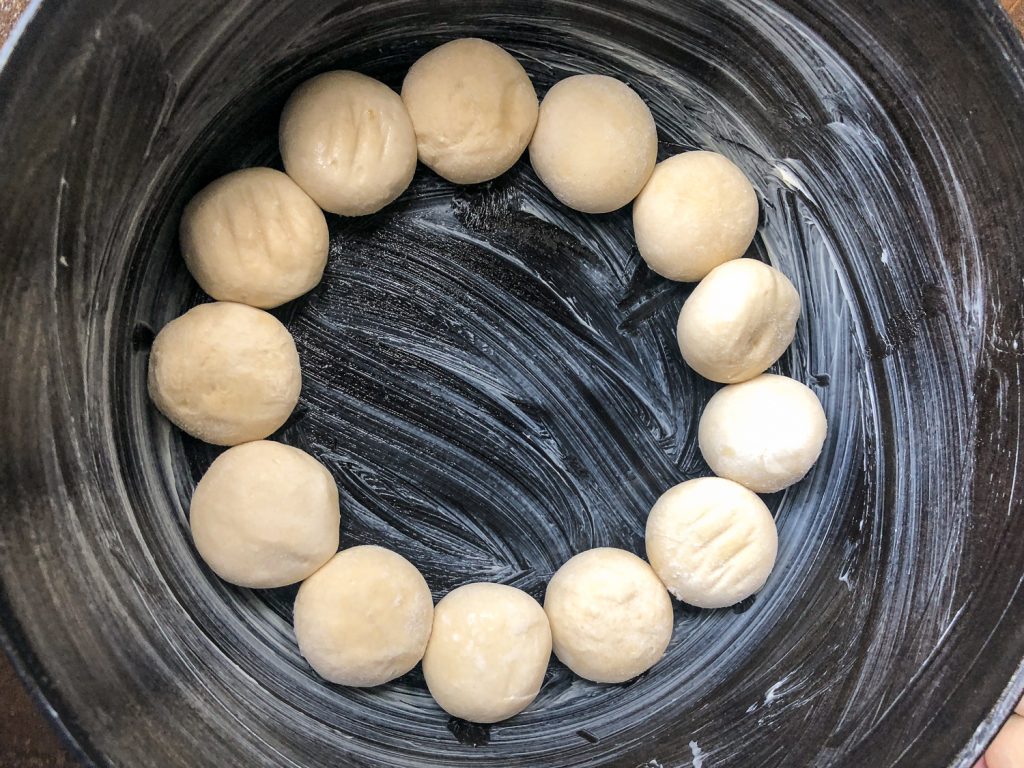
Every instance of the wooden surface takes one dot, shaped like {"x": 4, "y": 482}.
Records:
{"x": 9, "y": 12}
{"x": 26, "y": 740}
{"x": 1016, "y": 10}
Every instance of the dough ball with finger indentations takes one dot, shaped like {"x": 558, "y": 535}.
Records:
{"x": 254, "y": 237}
{"x": 364, "y": 618}
{"x": 697, "y": 211}
{"x": 347, "y": 140}
{"x": 595, "y": 144}
{"x": 611, "y": 618}
{"x": 265, "y": 515}
{"x": 711, "y": 541}
{"x": 738, "y": 321}
{"x": 473, "y": 108}
{"x": 488, "y": 652}
{"x": 765, "y": 433}
{"x": 226, "y": 373}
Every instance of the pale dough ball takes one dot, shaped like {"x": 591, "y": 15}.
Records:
{"x": 595, "y": 144}
{"x": 347, "y": 140}
{"x": 364, "y": 618}
{"x": 473, "y": 108}
{"x": 765, "y": 433}
{"x": 738, "y": 321}
{"x": 610, "y": 615}
{"x": 1007, "y": 751}
{"x": 265, "y": 515}
{"x": 225, "y": 373}
{"x": 487, "y": 653}
{"x": 712, "y": 542}
{"x": 254, "y": 237}
{"x": 697, "y": 211}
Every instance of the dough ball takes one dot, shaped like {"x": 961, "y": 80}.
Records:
{"x": 765, "y": 433}
{"x": 1007, "y": 751}
{"x": 265, "y": 515}
{"x": 595, "y": 144}
{"x": 487, "y": 653}
{"x": 697, "y": 211}
{"x": 364, "y": 618}
{"x": 611, "y": 618}
{"x": 711, "y": 542}
{"x": 225, "y": 373}
{"x": 254, "y": 237}
{"x": 347, "y": 140}
{"x": 738, "y": 321}
{"x": 473, "y": 107}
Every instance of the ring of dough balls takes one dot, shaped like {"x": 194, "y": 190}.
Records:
{"x": 265, "y": 515}
{"x": 712, "y": 542}
{"x": 487, "y": 653}
{"x": 611, "y": 618}
{"x": 254, "y": 237}
{"x": 697, "y": 211}
{"x": 473, "y": 108}
{"x": 765, "y": 433}
{"x": 347, "y": 140}
{"x": 364, "y": 618}
{"x": 225, "y": 373}
{"x": 738, "y": 321}
{"x": 595, "y": 144}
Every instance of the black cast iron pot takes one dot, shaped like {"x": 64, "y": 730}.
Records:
{"x": 494, "y": 382}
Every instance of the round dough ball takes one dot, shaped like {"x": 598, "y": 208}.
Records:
{"x": 711, "y": 542}
{"x": 611, "y": 618}
{"x": 487, "y": 653}
{"x": 765, "y": 433}
{"x": 1007, "y": 751}
{"x": 595, "y": 144}
{"x": 347, "y": 140}
{"x": 364, "y": 618}
{"x": 473, "y": 108}
{"x": 225, "y": 373}
{"x": 265, "y": 515}
{"x": 738, "y": 321}
{"x": 254, "y": 237}
{"x": 697, "y": 211}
